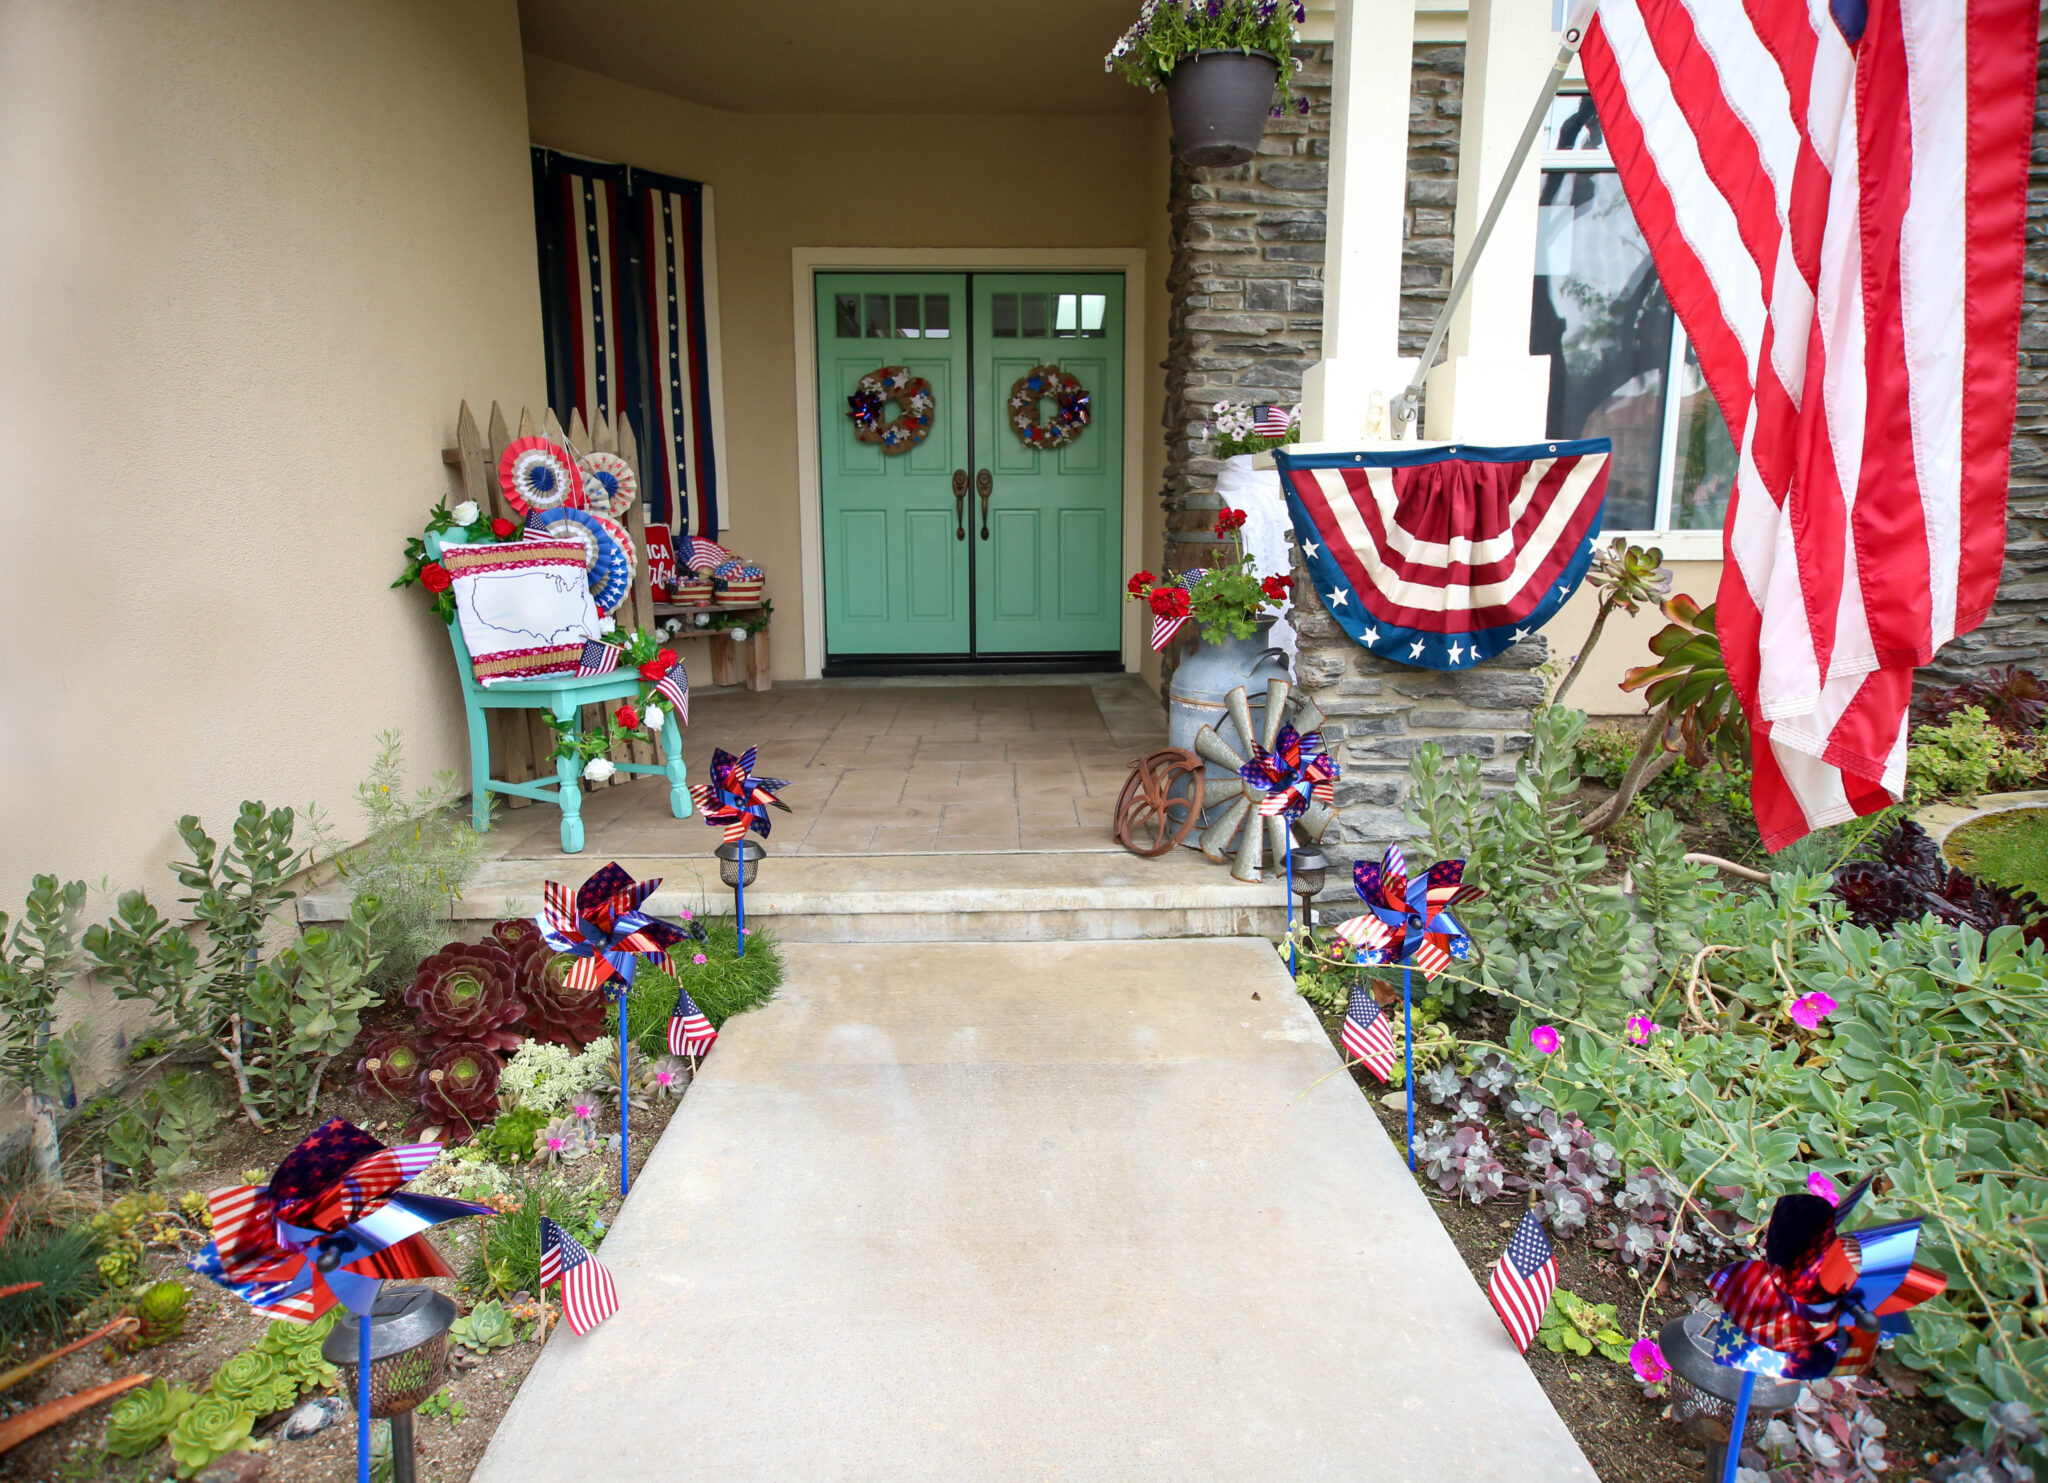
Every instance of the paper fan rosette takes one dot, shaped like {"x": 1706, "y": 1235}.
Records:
{"x": 604, "y": 929}
{"x": 735, "y": 800}
{"x": 1409, "y": 922}
{"x": 539, "y": 474}
{"x": 1819, "y": 1301}
{"x": 608, "y": 483}
{"x": 332, "y": 1224}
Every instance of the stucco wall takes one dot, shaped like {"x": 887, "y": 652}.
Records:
{"x": 252, "y": 253}
{"x": 783, "y": 181}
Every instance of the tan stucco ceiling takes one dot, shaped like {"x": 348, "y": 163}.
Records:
{"x": 827, "y": 56}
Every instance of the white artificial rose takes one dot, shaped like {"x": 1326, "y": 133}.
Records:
{"x": 466, "y": 512}
{"x": 653, "y": 716}
{"x": 604, "y": 625}
{"x": 598, "y": 769}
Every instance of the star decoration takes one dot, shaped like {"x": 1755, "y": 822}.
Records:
{"x": 1338, "y": 597}
{"x": 1372, "y": 636}
{"x": 1415, "y": 649}
{"x": 1310, "y": 548}
{"x": 1520, "y": 634}
{"x": 1457, "y": 651}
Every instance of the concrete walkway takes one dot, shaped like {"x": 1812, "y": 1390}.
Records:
{"x": 993, "y": 1211}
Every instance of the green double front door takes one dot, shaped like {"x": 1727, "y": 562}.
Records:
{"x": 971, "y": 544}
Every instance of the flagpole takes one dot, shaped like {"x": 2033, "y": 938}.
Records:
{"x": 625, "y": 1173}
{"x": 1737, "y": 1424}
{"x": 739, "y": 900}
{"x": 1293, "y": 968}
{"x": 363, "y": 1392}
{"x": 1408, "y": 1037}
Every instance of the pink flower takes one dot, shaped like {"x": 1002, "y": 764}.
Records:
{"x": 1819, "y": 1184}
{"x": 1810, "y": 1009}
{"x": 585, "y": 1111}
{"x": 555, "y": 1145}
{"x": 746, "y": 931}
{"x": 1545, "y": 1039}
{"x": 688, "y": 916}
{"x": 700, "y": 960}
{"x": 664, "y": 1078}
{"x": 1640, "y": 1030}
{"x": 1647, "y": 1360}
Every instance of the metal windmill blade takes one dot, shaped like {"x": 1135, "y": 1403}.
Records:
{"x": 1237, "y": 831}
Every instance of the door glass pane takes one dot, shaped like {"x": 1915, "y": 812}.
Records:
{"x": 1094, "y": 307}
{"x": 1572, "y": 124}
{"x": 1067, "y": 317}
{"x": 938, "y": 316}
{"x": 1002, "y": 313}
{"x": 878, "y": 316}
{"x": 1602, "y": 318}
{"x": 906, "y": 316}
{"x": 1705, "y": 476}
{"x": 1034, "y": 316}
{"x": 846, "y": 316}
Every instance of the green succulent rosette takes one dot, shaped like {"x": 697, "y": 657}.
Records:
{"x": 255, "y": 1380}
{"x": 161, "y": 1312}
{"x": 485, "y": 1327}
{"x": 142, "y": 1419}
{"x": 296, "y": 1348}
{"x": 209, "y": 1428}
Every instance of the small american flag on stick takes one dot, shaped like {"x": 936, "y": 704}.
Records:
{"x": 1272, "y": 422}
{"x": 588, "y": 1297}
{"x": 1366, "y": 1035}
{"x": 598, "y": 659}
{"x": 1523, "y": 1279}
{"x": 689, "y": 1032}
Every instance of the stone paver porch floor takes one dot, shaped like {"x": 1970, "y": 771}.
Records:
{"x": 891, "y": 767}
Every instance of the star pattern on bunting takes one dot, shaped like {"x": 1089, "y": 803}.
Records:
{"x": 1372, "y": 636}
{"x": 1339, "y": 597}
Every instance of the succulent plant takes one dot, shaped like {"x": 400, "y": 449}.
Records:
{"x": 460, "y": 1084}
{"x": 209, "y": 1427}
{"x": 296, "y": 1348}
{"x": 485, "y": 1327}
{"x": 142, "y": 1418}
{"x": 390, "y": 1067}
{"x": 161, "y": 1312}
{"x": 255, "y": 1379}
{"x": 465, "y": 993}
{"x": 512, "y": 933}
{"x": 555, "y": 1012}
{"x": 562, "y": 1140}
{"x": 509, "y": 1138}
{"x": 668, "y": 1076}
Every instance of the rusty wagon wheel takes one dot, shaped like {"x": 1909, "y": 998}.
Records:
{"x": 1149, "y": 819}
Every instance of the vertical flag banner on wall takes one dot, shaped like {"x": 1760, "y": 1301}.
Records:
{"x": 1835, "y": 197}
{"x": 626, "y": 307}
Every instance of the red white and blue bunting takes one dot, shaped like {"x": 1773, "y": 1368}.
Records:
{"x": 1440, "y": 556}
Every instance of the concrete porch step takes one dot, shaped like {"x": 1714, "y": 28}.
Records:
{"x": 1049, "y": 896}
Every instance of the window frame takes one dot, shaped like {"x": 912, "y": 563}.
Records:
{"x": 1676, "y": 544}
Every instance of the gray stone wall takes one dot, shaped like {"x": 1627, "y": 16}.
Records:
{"x": 2017, "y": 630}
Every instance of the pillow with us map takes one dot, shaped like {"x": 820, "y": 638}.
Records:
{"x": 524, "y": 606}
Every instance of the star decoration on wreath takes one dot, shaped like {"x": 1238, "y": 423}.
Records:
{"x": 913, "y": 394}
{"x": 1071, "y": 401}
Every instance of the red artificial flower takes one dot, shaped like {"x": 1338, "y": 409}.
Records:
{"x": 1229, "y": 520}
{"x": 434, "y": 577}
{"x": 1169, "y": 602}
{"x": 658, "y": 667}
{"x": 502, "y": 528}
{"x": 1277, "y": 588}
{"x": 1138, "y": 583}
{"x": 627, "y": 717}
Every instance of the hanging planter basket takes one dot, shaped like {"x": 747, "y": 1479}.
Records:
{"x": 1219, "y": 102}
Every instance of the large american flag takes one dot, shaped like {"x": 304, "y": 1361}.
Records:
{"x": 1835, "y": 198}
{"x": 1523, "y": 1280}
{"x": 588, "y": 1297}
{"x": 1366, "y": 1036}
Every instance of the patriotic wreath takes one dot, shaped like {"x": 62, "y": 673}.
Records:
{"x": 1071, "y": 408}
{"x": 879, "y": 388}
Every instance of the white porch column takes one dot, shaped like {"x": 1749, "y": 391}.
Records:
{"x": 1372, "y": 60}
{"x": 1491, "y": 390}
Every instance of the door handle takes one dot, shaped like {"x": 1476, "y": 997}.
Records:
{"x": 959, "y": 504}
{"x": 984, "y": 484}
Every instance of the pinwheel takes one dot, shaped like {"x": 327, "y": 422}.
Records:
{"x": 736, "y": 801}
{"x": 606, "y": 932}
{"x": 331, "y": 1226}
{"x": 1294, "y": 773}
{"x": 1819, "y": 1301}
{"x": 1238, "y": 829}
{"x": 1409, "y": 923}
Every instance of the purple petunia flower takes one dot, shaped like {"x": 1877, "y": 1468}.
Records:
{"x": 1647, "y": 1360}
{"x": 1819, "y": 1184}
{"x": 1808, "y": 1010}
{"x": 1300, "y": 12}
{"x": 1301, "y": 106}
{"x": 1545, "y": 1039}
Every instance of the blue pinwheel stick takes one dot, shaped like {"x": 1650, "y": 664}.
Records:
{"x": 1409, "y": 923}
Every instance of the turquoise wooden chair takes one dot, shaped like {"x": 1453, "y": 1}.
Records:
{"x": 564, "y": 697}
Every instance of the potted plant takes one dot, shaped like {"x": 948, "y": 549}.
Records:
{"x": 1226, "y": 66}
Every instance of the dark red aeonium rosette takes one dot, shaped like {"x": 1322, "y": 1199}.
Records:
{"x": 466, "y": 992}
{"x": 735, "y": 800}
{"x": 1819, "y": 1302}
{"x": 331, "y": 1225}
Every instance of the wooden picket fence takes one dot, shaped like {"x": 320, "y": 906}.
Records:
{"x": 522, "y": 744}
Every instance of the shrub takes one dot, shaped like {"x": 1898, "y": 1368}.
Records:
{"x": 545, "y": 1078}
{"x": 509, "y": 1259}
{"x": 66, "y": 1263}
{"x": 1955, "y": 759}
{"x": 723, "y": 985}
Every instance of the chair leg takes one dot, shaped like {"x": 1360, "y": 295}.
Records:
{"x": 479, "y": 767}
{"x": 678, "y": 770}
{"x": 569, "y": 795}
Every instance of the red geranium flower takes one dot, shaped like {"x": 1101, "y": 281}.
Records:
{"x": 1169, "y": 602}
{"x": 1138, "y": 583}
{"x": 434, "y": 577}
{"x": 502, "y": 528}
{"x": 659, "y": 666}
{"x": 1277, "y": 588}
{"x": 627, "y": 717}
{"x": 1229, "y": 520}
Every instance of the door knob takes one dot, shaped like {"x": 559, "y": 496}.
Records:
{"x": 959, "y": 504}
{"x": 984, "y": 485}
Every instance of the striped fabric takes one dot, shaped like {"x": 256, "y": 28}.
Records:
{"x": 1850, "y": 278}
{"x": 628, "y": 306}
